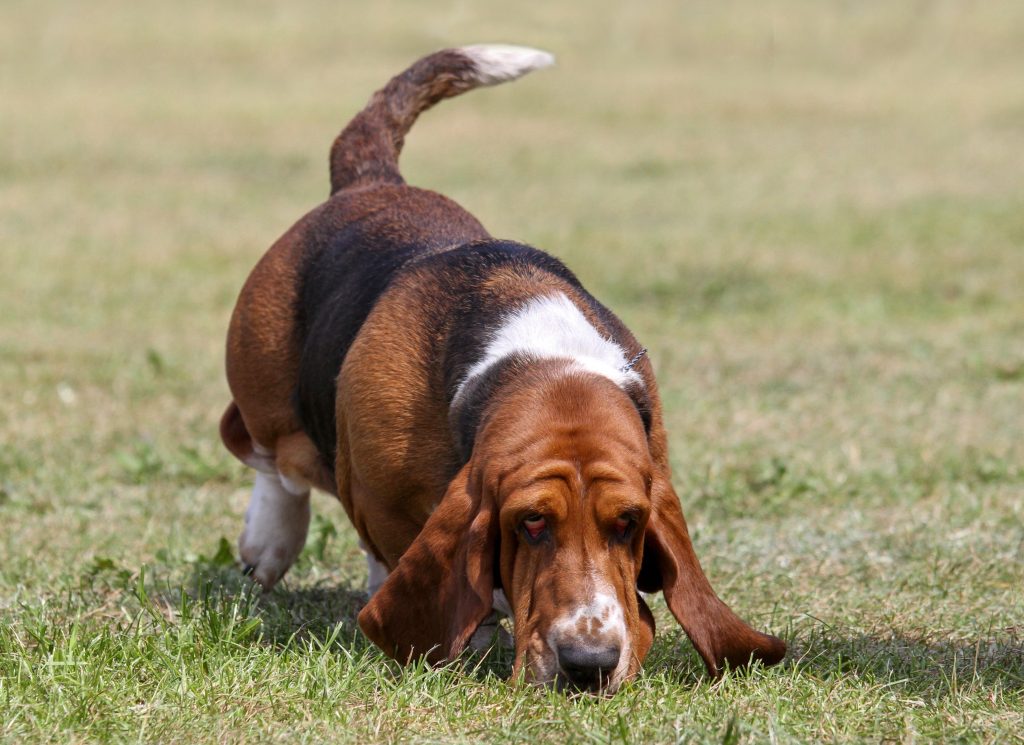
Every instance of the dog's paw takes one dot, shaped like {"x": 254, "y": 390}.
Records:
{"x": 376, "y": 571}
{"x": 489, "y": 633}
{"x": 276, "y": 525}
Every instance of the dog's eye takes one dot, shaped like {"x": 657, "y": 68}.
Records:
{"x": 534, "y": 525}
{"x": 624, "y": 526}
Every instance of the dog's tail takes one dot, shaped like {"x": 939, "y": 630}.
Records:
{"x": 367, "y": 149}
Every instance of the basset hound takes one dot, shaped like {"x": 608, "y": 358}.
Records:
{"x": 492, "y": 430}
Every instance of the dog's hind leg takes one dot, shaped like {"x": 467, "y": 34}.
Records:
{"x": 276, "y": 525}
{"x": 277, "y": 520}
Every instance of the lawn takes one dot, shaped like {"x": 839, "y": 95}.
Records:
{"x": 811, "y": 213}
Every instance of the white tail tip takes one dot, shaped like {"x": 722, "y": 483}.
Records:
{"x": 498, "y": 63}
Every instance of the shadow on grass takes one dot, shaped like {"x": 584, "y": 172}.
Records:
{"x": 914, "y": 666}
{"x": 316, "y": 613}
{"x": 324, "y": 613}
{"x": 930, "y": 669}
{"x": 312, "y": 612}
{"x": 286, "y": 614}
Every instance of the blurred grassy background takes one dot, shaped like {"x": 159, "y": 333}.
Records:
{"x": 811, "y": 212}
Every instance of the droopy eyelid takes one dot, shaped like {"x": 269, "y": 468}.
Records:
{"x": 541, "y": 498}
{"x": 513, "y": 515}
{"x": 635, "y": 512}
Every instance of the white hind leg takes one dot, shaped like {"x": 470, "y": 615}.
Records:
{"x": 275, "y": 530}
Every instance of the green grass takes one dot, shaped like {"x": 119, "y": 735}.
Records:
{"x": 811, "y": 213}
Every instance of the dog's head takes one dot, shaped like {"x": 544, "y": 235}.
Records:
{"x": 562, "y": 507}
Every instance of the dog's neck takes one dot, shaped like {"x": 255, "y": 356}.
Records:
{"x": 520, "y": 387}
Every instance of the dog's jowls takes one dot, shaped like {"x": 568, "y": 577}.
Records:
{"x": 491, "y": 429}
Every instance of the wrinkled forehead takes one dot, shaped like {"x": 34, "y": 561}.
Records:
{"x": 598, "y": 450}
{"x": 579, "y": 491}
{"x": 578, "y": 450}
{"x": 563, "y": 411}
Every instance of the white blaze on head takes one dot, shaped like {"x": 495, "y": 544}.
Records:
{"x": 600, "y": 620}
{"x": 601, "y": 616}
{"x": 552, "y": 327}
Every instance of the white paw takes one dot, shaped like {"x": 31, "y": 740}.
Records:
{"x": 490, "y": 632}
{"x": 376, "y": 572}
{"x": 275, "y": 530}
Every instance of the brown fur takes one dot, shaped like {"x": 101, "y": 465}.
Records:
{"x": 450, "y": 540}
{"x": 367, "y": 149}
{"x": 262, "y": 349}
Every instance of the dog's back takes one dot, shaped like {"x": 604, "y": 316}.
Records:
{"x": 346, "y": 250}
{"x": 384, "y": 224}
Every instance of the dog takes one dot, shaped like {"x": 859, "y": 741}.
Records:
{"x": 493, "y": 432}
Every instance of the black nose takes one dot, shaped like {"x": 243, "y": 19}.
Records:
{"x": 588, "y": 668}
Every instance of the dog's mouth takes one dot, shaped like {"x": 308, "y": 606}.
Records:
{"x": 600, "y": 685}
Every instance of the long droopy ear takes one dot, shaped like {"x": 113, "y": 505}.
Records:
{"x": 443, "y": 585}
{"x": 671, "y": 565}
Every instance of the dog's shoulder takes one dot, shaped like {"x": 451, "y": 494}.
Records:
{"x": 354, "y": 246}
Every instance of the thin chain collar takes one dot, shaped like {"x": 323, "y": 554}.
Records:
{"x": 636, "y": 358}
